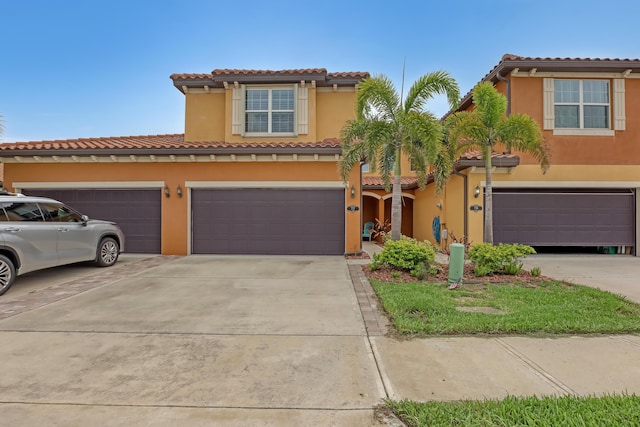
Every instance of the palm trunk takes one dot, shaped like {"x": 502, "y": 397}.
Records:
{"x": 396, "y": 200}
{"x": 488, "y": 198}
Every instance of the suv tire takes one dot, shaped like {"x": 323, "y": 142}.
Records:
{"x": 108, "y": 251}
{"x": 7, "y": 274}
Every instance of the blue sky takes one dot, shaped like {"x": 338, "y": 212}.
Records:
{"x": 89, "y": 68}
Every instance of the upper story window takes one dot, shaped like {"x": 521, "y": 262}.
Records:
{"x": 365, "y": 167}
{"x": 269, "y": 111}
{"x": 584, "y": 107}
{"x": 263, "y": 111}
{"x": 582, "y": 104}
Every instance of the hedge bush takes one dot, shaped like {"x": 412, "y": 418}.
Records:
{"x": 406, "y": 254}
{"x": 501, "y": 259}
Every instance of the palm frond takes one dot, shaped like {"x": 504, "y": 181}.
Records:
{"x": 377, "y": 99}
{"x": 467, "y": 131}
{"x": 429, "y": 85}
{"x": 490, "y": 105}
{"x": 521, "y": 132}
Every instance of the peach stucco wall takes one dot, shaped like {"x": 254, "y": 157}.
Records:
{"x": 204, "y": 116}
{"x": 333, "y": 110}
{"x": 620, "y": 149}
{"x": 208, "y": 116}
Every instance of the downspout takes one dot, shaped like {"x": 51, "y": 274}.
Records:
{"x": 508, "y": 82}
{"x": 466, "y": 202}
{"x": 361, "y": 205}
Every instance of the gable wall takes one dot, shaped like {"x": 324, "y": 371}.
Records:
{"x": 205, "y": 117}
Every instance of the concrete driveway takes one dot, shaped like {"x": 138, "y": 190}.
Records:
{"x": 619, "y": 274}
{"x": 199, "y": 340}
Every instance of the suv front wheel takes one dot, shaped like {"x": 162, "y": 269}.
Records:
{"x": 108, "y": 251}
{"x": 7, "y": 274}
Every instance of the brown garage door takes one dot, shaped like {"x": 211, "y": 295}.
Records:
{"x": 137, "y": 211}
{"x": 564, "y": 218}
{"x": 268, "y": 221}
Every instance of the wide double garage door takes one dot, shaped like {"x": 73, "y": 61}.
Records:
{"x": 137, "y": 211}
{"x": 273, "y": 221}
{"x": 564, "y": 218}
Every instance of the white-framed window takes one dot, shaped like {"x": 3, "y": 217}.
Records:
{"x": 269, "y": 111}
{"x": 266, "y": 111}
{"x": 365, "y": 167}
{"x": 582, "y": 104}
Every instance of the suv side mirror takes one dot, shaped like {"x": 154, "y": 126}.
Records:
{"x": 84, "y": 219}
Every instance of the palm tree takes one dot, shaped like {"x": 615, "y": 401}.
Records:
{"x": 387, "y": 127}
{"x": 487, "y": 125}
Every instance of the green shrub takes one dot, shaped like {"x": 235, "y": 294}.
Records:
{"x": 405, "y": 254}
{"x": 535, "y": 271}
{"x": 481, "y": 271}
{"x": 502, "y": 259}
{"x": 513, "y": 269}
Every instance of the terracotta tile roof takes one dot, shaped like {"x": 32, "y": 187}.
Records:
{"x": 174, "y": 142}
{"x": 219, "y": 77}
{"x": 512, "y": 57}
{"x": 349, "y": 74}
{"x": 476, "y": 155}
{"x": 376, "y": 181}
{"x": 234, "y": 72}
{"x": 130, "y": 142}
{"x": 190, "y": 76}
{"x": 509, "y": 62}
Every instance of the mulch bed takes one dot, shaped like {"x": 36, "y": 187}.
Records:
{"x": 386, "y": 274}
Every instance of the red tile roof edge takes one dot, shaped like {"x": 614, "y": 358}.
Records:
{"x": 156, "y": 142}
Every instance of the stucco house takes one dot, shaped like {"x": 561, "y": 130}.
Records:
{"x": 256, "y": 168}
{"x": 588, "y": 110}
{"x": 254, "y": 172}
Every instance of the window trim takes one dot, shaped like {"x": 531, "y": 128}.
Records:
{"x": 270, "y": 89}
{"x": 616, "y": 109}
{"x": 582, "y": 104}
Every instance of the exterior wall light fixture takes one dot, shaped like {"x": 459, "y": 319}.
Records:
{"x": 179, "y": 191}
{"x": 476, "y": 192}
{"x": 167, "y": 194}
{"x": 353, "y": 192}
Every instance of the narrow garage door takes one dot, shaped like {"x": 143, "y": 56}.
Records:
{"x": 565, "y": 218}
{"x": 268, "y": 221}
{"x": 137, "y": 211}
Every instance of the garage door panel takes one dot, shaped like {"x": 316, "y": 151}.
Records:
{"x": 565, "y": 219}
{"x": 137, "y": 212}
{"x": 268, "y": 221}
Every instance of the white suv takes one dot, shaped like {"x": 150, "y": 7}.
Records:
{"x": 37, "y": 233}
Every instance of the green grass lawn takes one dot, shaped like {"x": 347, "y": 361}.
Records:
{"x": 566, "y": 411}
{"x": 512, "y": 308}
{"x": 542, "y": 308}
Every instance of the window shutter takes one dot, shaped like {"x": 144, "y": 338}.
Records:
{"x": 619, "y": 120}
{"x": 303, "y": 110}
{"x": 547, "y": 104}
{"x": 237, "y": 111}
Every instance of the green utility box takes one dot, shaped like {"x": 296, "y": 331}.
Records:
{"x": 456, "y": 263}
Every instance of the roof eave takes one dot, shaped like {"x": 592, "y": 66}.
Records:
{"x": 505, "y": 162}
{"x": 170, "y": 151}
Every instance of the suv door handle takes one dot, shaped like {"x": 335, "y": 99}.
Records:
{"x": 62, "y": 229}
{"x": 12, "y": 229}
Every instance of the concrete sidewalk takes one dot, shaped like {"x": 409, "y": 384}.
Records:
{"x": 242, "y": 340}
{"x": 449, "y": 369}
